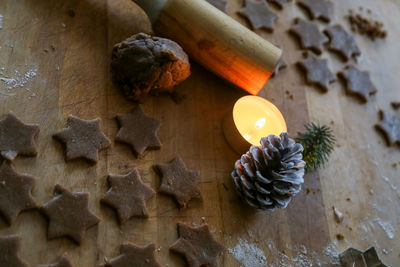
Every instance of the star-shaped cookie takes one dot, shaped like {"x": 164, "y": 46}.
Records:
{"x": 309, "y": 35}
{"x": 259, "y": 15}
{"x": 82, "y": 139}
{"x": 15, "y": 192}
{"x": 62, "y": 262}
{"x": 17, "y": 138}
{"x": 280, "y": 65}
{"x": 132, "y": 255}
{"x": 179, "y": 182}
{"x": 138, "y": 130}
{"x": 197, "y": 245}
{"x": 390, "y": 127}
{"x": 318, "y": 9}
{"x": 342, "y": 42}
{"x": 9, "y": 247}
{"x": 220, "y": 4}
{"x": 68, "y": 214}
{"x": 358, "y": 82}
{"x": 128, "y": 195}
{"x": 279, "y": 3}
{"x": 317, "y": 71}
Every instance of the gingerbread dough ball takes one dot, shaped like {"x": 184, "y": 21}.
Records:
{"x": 145, "y": 64}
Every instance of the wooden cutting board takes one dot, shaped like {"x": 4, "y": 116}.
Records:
{"x": 60, "y": 66}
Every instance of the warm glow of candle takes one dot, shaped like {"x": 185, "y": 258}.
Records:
{"x": 256, "y": 117}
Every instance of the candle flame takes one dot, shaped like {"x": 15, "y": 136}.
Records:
{"x": 260, "y": 123}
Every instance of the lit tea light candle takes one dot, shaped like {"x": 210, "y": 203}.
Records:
{"x": 252, "y": 118}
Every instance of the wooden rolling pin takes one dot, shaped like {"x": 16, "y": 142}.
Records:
{"x": 215, "y": 40}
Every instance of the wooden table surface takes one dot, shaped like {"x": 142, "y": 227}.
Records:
{"x": 73, "y": 78}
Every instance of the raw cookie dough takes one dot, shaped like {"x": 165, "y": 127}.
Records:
{"x": 390, "y": 127}
{"x": 358, "y": 82}
{"x": 83, "y": 139}
{"x": 138, "y": 130}
{"x": 342, "y": 42}
{"x": 179, "y": 182}
{"x": 309, "y": 35}
{"x": 128, "y": 195}
{"x": 62, "y": 262}
{"x": 17, "y": 138}
{"x": 259, "y": 15}
{"x": 68, "y": 214}
{"x": 318, "y": 9}
{"x": 15, "y": 193}
{"x": 197, "y": 245}
{"x": 142, "y": 64}
{"x": 132, "y": 255}
{"x": 9, "y": 247}
{"x": 317, "y": 71}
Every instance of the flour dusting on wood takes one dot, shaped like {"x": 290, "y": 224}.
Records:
{"x": 248, "y": 254}
{"x": 17, "y": 79}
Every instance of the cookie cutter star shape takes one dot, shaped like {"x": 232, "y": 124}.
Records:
{"x": 17, "y": 138}
{"x": 138, "y": 130}
{"x": 259, "y": 15}
{"x": 317, "y": 71}
{"x": 358, "y": 83}
{"x": 179, "y": 182}
{"x": 309, "y": 35}
{"x": 390, "y": 127}
{"x": 197, "y": 246}
{"x": 342, "y": 42}
{"x": 318, "y": 9}
{"x": 68, "y": 214}
{"x": 15, "y": 193}
{"x": 9, "y": 247}
{"x": 128, "y": 195}
{"x": 82, "y": 139}
{"x": 132, "y": 255}
{"x": 220, "y": 4}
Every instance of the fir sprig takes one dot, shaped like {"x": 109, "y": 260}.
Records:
{"x": 318, "y": 142}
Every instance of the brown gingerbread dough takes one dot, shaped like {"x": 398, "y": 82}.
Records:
{"x": 9, "y": 247}
{"x": 142, "y": 64}
{"x": 259, "y": 15}
{"x": 179, "y": 182}
{"x": 128, "y": 195}
{"x": 17, "y": 138}
{"x": 309, "y": 35}
{"x": 15, "y": 192}
{"x": 390, "y": 127}
{"x": 197, "y": 245}
{"x": 132, "y": 255}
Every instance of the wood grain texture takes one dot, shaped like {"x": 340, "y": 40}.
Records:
{"x": 74, "y": 79}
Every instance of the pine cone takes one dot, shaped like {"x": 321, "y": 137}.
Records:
{"x": 268, "y": 176}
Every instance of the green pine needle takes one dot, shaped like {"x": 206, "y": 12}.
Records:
{"x": 318, "y": 142}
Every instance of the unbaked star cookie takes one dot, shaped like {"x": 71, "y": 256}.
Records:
{"x": 128, "y": 195}
{"x": 138, "y": 130}
{"x": 15, "y": 193}
{"x": 317, "y": 71}
{"x": 309, "y": 35}
{"x": 9, "y": 247}
{"x": 358, "y": 83}
{"x": 280, "y": 65}
{"x": 82, "y": 139}
{"x": 390, "y": 127}
{"x": 68, "y": 214}
{"x": 197, "y": 245}
{"x": 259, "y": 15}
{"x": 132, "y": 255}
{"x": 220, "y": 4}
{"x": 17, "y": 138}
{"x": 62, "y": 262}
{"x": 179, "y": 182}
{"x": 318, "y": 9}
{"x": 342, "y": 42}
